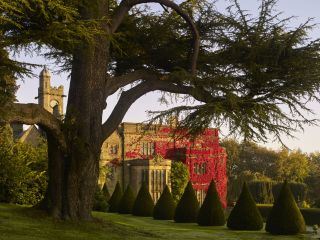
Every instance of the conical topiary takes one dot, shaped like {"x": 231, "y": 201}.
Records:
{"x": 105, "y": 192}
{"x": 127, "y": 201}
{"x": 143, "y": 205}
{"x": 245, "y": 214}
{"x": 100, "y": 203}
{"x": 285, "y": 216}
{"x": 211, "y": 212}
{"x": 115, "y": 199}
{"x": 188, "y": 206}
{"x": 164, "y": 209}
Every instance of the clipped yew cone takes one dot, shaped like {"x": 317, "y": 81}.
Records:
{"x": 245, "y": 214}
{"x": 285, "y": 217}
{"x": 188, "y": 206}
{"x": 165, "y": 207}
{"x": 211, "y": 212}
{"x": 115, "y": 198}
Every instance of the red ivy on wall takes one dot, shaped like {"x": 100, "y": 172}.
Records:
{"x": 205, "y": 158}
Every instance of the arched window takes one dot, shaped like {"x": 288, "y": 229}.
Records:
{"x": 56, "y": 110}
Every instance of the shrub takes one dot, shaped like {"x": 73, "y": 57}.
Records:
{"x": 105, "y": 192}
{"x": 298, "y": 190}
{"x": 310, "y": 215}
{"x": 23, "y": 170}
{"x": 316, "y": 203}
{"x": 127, "y": 201}
{"x": 285, "y": 216}
{"x": 245, "y": 214}
{"x": 188, "y": 206}
{"x": 143, "y": 205}
{"x": 179, "y": 178}
{"x": 164, "y": 209}
{"x": 211, "y": 212}
{"x": 115, "y": 198}
{"x": 100, "y": 203}
{"x": 261, "y": 191}
{"x": 264, "y": 210}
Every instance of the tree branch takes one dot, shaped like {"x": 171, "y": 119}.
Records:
{"x": 128, "y": 97}
{"x": 115, "y": 83}
{"x": 126, "y": 5}
{"x": 35, "y": 114}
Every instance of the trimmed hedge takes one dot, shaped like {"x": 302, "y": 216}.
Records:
{"x": 143, "y": 205}
{"x": 105, "y": 192}
{"x": 285, "y": 217}
{"x": 127, "y": 201}
{"x": 311, "y": 215}
{"x": 317, "y": 203}
{"x": 165, "y": 207}
{"x": 261, "y": 191}
{"x": 245, "y": 214}
{"x": 115, "y": 199}
{"x": 265, "y": 192}
{"x": 298, "y": 190}
{"x": 188, "y": 206}
{"x": 211, "y": 212}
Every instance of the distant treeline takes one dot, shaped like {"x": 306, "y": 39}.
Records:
{"x": 264, "y": 169}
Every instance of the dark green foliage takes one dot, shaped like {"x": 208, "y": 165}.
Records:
{"x": 165, "y": 207}
{"x": 127, "y": 201}
{"x": 100, "y": 201}
{"x": 179, "y": 178}
{"x": 264, "y": 210}
{"x": 105, "y": 191}
{"x": 245, "y": 214}
{"x": 265, "y": 191}
{"x": 317, "y": 203}
{"x": 23, "y": 170}
{"x": 188, "y": 206}
{"x": 143, "y": 205}
{"x": 298, "y": 190}
{"x": 239, "y": 73}
{"x": 211, "y": 212}
{"x": 261, "y": 191}
{"x": 7, "y": 82}
{"x": 115, "y": 198}
{"x": 310, "y": 215}
{"x": 285, "y": 216}
{"x": 313, "y": 180}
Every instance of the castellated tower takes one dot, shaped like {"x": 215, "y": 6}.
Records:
{"x": 50, "y": 98}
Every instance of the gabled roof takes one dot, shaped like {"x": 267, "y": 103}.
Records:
{"x": 31, "y": 136}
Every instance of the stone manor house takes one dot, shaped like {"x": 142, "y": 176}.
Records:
{"x": 137, "y": 153}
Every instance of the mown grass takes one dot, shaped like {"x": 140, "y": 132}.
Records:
{"x": 17, "y": 223}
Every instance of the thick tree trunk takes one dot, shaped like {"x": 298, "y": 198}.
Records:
{"x": 81, "y": 179}
{"x": 73, "y": 175}
{"x": 56, "y": 178}
{"x": 72, "y": 182}
{"x": 83, "y": 130}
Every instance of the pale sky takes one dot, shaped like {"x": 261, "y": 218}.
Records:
{"x": 308, "y": 141}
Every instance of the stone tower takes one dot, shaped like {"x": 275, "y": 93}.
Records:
{"x": 50, "y": 98}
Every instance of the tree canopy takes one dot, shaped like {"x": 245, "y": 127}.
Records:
{"x": 252, "y": 72}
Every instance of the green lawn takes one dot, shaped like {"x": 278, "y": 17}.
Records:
{"x": 18, "y": 222}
